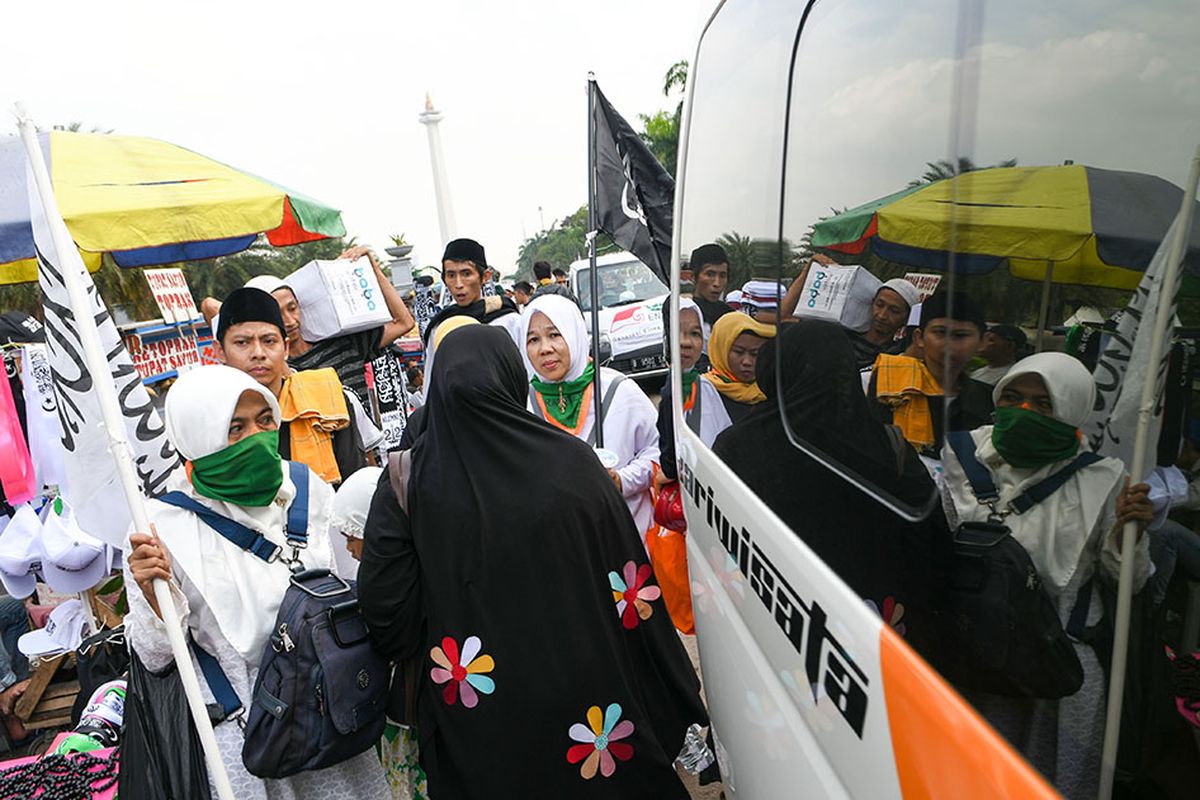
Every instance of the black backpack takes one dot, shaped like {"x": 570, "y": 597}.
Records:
{"x": 321, "y": 690}
{"x": 1006, "y": 636}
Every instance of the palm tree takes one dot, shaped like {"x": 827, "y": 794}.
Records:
{"x": 941, "y": 169}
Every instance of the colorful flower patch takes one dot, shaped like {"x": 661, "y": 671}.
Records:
{"x": 631, "y": 595}
{"x": 892, "y": 613}
{"x": 461, "y": 672}
{"x": 601, "y": 743}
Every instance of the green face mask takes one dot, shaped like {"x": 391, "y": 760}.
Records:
{"x": 246, "y": 473}
{"x": 1026, "y": 438}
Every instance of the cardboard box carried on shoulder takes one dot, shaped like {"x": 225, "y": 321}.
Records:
{"x": 337, "y": 298}
{"x": 839, "y": 293}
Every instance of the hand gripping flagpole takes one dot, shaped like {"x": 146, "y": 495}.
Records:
{"x": 97, "y": 365}
{"x": 593, "y": 280}
{"x": 1137, "y": 471}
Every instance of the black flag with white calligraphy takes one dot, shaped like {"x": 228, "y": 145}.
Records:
{"x": 635, "y": 196}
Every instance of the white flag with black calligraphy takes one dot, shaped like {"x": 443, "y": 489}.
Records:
{"x": 1123, "y": 367}
{"x": 94, "y": 490}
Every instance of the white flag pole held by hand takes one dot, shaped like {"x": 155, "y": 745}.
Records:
{"x": 41, "y": 193}
{"x": 1137, "y": 471}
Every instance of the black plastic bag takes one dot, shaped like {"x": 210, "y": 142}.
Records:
{"x": 101, "y": 658}
{"x": 161, "y": 754}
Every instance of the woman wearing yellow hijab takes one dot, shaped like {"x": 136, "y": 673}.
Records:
{"x": 733, "y": 349}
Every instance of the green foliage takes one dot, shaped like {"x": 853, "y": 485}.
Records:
{"x": 564, "y": 242}
{"x": 660, "y": 131}
{"x": 942, "y": 169}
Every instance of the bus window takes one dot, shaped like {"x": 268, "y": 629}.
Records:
{"x": 971, "y": 207}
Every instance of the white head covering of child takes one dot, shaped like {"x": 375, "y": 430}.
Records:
{"x": 1070, "y": 385}
{"x": 566, "y": 316}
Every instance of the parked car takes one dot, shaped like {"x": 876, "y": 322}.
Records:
{"x": 631, "y": 319}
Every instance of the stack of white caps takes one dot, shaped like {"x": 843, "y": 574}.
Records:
{"x": 72, "y": 560}
{"x": 62, "y": 634}
{"x": 68, "y": 559}
{"x": 21, "y": 552}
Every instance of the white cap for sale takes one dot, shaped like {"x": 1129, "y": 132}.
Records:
{"x": 21, "y": 552}
{"x": 62, "y": 634}
{"x": 72, "y": 560}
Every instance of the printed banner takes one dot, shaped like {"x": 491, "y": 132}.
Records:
{"x": 172, "y": 294}
{"x": 926, "y": 283}
{"x": 388, "y": 379}
{"x": 156, "y": 359}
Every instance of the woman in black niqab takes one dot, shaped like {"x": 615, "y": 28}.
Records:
{"x": 894, "y": 565}
{"x": 549, "y": 666}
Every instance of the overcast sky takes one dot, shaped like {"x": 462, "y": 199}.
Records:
{"x": 324, "y": 97}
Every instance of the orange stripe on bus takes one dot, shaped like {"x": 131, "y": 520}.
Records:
{"x": 942, "y": 747}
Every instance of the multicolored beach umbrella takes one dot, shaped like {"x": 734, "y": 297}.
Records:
{"x": 1097, "y": 227}
{"x": 148, "y": 202}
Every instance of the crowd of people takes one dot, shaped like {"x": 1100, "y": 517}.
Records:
{"x": 505, "y": 560}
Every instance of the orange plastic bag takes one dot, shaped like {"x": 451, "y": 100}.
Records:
{"x": 668, "y": 558}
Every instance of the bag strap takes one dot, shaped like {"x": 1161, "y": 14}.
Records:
{"x": 297, "y": 516}
{"x": 533, "y": 401}
{"x": 609, "y": 393}
{"x": 1036, "y": 494}
{"x": 985, "y": 489}
{"x": 399, "y": 464}
{"x": 252, "y": 542}
{"x": 218, "y": 682}
{"x": 977, "y": 474}
{"x": 1077, "y": 622}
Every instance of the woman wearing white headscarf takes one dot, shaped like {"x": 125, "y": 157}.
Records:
{"x": 556, "y": 356}
{"x": 703, "y": 409}
{"x": 1071, "y": 537}
{"x": 225, "y": 425}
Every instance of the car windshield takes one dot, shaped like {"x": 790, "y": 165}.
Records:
{"x": 620, "y": 284}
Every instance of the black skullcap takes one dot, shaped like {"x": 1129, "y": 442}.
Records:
{"x": 1009, "y": 333}
{"x": 248, "y": 305}
{"x": 466, "y": 250}
{"x": 707, "y": 254}
{"x": 939, "y": 304}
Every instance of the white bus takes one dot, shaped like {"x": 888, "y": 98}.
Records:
{"x": 796, "y": 112}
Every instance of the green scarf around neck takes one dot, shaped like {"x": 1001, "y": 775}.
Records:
{"x": 564, "y": 400}
{"x": 246, "y": 473}
{"x": 689, "y": 378}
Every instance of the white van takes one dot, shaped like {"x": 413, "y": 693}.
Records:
{"x": 797, "y": 108}
{"x": 631, "y": 319}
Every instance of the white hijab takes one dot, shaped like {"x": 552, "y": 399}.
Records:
{"x": 688, "y": 304}
{"x": 1070, "y": 385}
{"x": 240, "y": 591}
{"x": 1058, "y": 531}
{"x": 566, "y": 316}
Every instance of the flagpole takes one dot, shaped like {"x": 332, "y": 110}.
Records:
{"x": 593, "y": 280}
{"x": 97, "y": 364}
{"x": 1137, "y": 470}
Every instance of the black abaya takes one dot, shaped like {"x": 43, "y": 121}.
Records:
{"x": 516, "y": 543}
{"x": 896, "y": 566}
